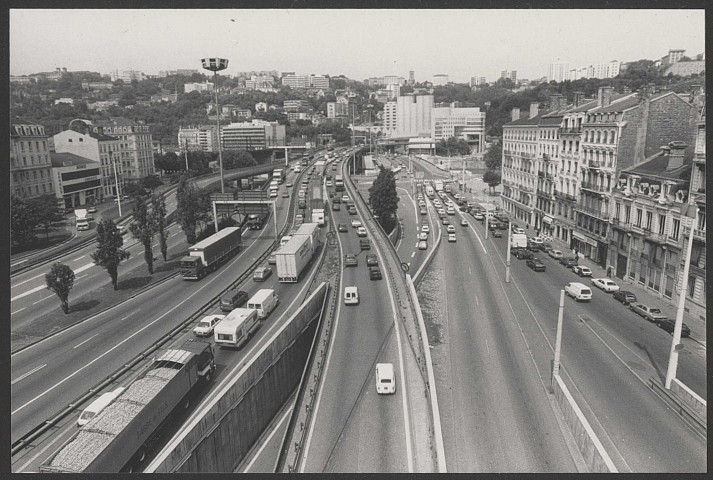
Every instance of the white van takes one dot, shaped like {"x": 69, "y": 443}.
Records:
{"x": 351, "y": 296}
{"x": 98, "y": 405}
{"x": 385, "y": 379}
{"x": 236, "y": 328}
{"x": 264, "y": 301}
{"x": 82, "y": 224}
{"x": 578, "y": 291}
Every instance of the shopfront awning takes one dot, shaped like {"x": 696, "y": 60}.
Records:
{"x": 547, "y": 219}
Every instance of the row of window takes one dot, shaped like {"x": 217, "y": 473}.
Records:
{"x": 41, "y": 160}
{"x": 599, "y": 136}
{"x": 25, "y": 176}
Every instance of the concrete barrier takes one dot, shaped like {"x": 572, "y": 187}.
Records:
{"x": 220, "y": 433}
{"x": 595, "y": 456}
{"x": 690, "y": 398}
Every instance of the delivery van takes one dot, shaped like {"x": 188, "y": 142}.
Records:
{"x": 236, "y": 328}
{"x": 98, "y": 405}
{"x": 264, "y": 302}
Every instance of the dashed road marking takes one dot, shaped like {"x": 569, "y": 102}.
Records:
{"x": 21, "y": 377}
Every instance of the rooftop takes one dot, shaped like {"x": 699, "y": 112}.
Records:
{"x": 656, "y": 164}
{"x": 69, "y": 160}
{"x": 534, "y": 121}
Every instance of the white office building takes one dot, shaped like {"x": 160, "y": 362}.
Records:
{"x": 413, "y": 115}
{"x": 462, "y": 123}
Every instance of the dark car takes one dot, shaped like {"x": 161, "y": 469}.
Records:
{"x": 497, "y": 234}
{"x": 536, "y": 265}
{"x": 352, "y": 210}
{"x": 668, "y": 324}
{"x": 372, "y": 260}
{"x": 364, "y": 244}
{"x": 523, "y": 254}
{"x": 233, "y": 299}
{"x": 342, "y": 228}
{"x": 492, "y": 225}
{"x": 374, "y": 273}
{"x": 350, "y": 260}
{"x": 503, "y": 225}
{"x": 568, "y": 262}
{"x": 534, "y": 246}
{"x": 624, "y": 296}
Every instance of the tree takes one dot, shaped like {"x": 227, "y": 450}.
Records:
{"x": 22, "y": 222}
{"x": 151, "y": 182}
{"x": 47, "y": 212}
{"x": 188, "y": 211}
{"x": 383, "y": 198}
{"x": 109, "y": 253}
{"x": 60, "y": 280}
{"x": 159, "y": 215}
{"x": 452, "y": 146}
{"x": 492, "y": 178}
{"x": 143, "y": 229}
{"x": 493, "y": 157}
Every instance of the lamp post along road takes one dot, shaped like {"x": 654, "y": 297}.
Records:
{"x": 558, "y": 342}
{"x": 215, "y": 65}
{"x": 116, "y": 180}
{"x": 507, "y": 261}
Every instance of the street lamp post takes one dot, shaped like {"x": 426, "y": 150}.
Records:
{"x": 215, "y": 65}
{"x": 116, "y": 180}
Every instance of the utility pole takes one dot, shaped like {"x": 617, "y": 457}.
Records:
{"x": 507, "y": 257}
{"x": 185, "y": 141}
{"x": 558, "y": 342}
{"x": 116, "y": 180}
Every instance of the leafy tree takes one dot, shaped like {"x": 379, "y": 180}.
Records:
{"x": 188, "y": 207}
{"x": 151, "y": 182}
{"x": 452, "y": 146}
{"x": 47, "y": 212}
{"x": 109, "y": 253}
{"x": 383, "y": 198}
{"x": 22, "y": 222}
{"x": 493, "y": 157}
{"x": 159, "y": 215}
{"x": 143, "y": 229}
{"x": 492, "y": 178}
{"x": 60, "y": 280}
{"x": 134, "y": 189}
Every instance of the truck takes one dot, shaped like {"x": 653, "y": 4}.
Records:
{"x": 518, "y": 240}
{"x": 438, "y": 185}
{"x": 82, "y": 218}
{"x": 297, "y": 253}
{"x": 339, "y": 183}
{"x": 279, "y": 175}
{"x": 429, "y": 191}
{"x": 118, "y": 437}
{"x": 256, "y": 221}
{"x": 206, "y": 255}
{"x": 318, "y": 216}
{"x": 236, "y": 328}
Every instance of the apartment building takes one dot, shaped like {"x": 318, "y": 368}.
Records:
{"x": 295, "y": 105}
{"x": 203, "y": 138}
{"x": 198, "y": 87}
{"x": 390, "y": 118}
{"x": 256, "y": 135}
{"x": 295, "y": 81}
{"x": 477, "y": 81}
{"x": 30, "y": 162}
{"x": 440, "y": 79}
{"x": 413, "y": 115}
{"x": 559, "y": 72}
{"x": 136, "y": 153}
{"x": 77, "y": 180}
{"x": 511, "y": 74}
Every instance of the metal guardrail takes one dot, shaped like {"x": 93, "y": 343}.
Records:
{"x": 48, "y": 424}
{"x": 688, "y": 415}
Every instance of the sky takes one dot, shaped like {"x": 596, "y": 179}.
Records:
{"x": 355, "y": 43}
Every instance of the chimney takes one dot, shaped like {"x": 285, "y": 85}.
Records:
{"x": 675, "y": 156}
{"x": 556, "y": 102}
{"x": 515, "y": 114}
{"x": 604, "y": 96}
{"x": 578, "y": 98}
{"x": 646, "y": 91}
{"x": 534, "y": 106}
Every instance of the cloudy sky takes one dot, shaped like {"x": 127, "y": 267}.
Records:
{"x": 355, "y": 43}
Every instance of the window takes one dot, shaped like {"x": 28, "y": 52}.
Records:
{"x": 649, "y": 219}
{"x": 691, "y": 286}
{"x": 662, "y": 224}
{"x": 627, "y": 213}
{"x": 638, "y": 217}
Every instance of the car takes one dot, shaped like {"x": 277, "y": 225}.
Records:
{"x": 582, "y": 271}
{"x": 356, "y": 223}
{"x": 652, "y": 314}
{"x": 451, "y": 237}
{"x": 352, "y": 210}
{"x": 288, "y": 184}
{"x": 451, "y": 211}
{"x": 423, "y": 211}
{"x": 502, "y": 225}
{"x": 361, "y": 232}
{"x": 342, "y": 228}
{"x": 568, "y": 262}
{"x": 451, "y": 229}
{"x": 336, "y": 200}
{"x": 445, "y": 221}
{"x": 364, "y": 244}
{"x": 669, "y": 324}
{"x": 578, "y": 291}
{"x": 374, "y": 273}
{"x": 492, "y": 225}
{"x": 624, "y": 296}
{"x": 423, "y": 236}
{"x": 441, "y": 213}
{"x": 372, "y": 260}
{"x": 345, "y": 198}
{"x": 272, "y": 259}
{"x": 336, "y": 207}
{"x": 497, "y": 234}
{"x": 463, "y": 222}
{"x": 92, "y": 209}
{"x": 533, "y": 245}
{"x": 261, "y": 274}
{"x": 463, "y": 208}
{"x": 556, "y": 254}
{"x": 329, "y": 183}
{"x": 523, "y": 254}
{"x": 605, "y": 284}
{"x": 351, "y": 296}
{"x": 425, "y": 229}
{"x": 518, "y": 230}
{"x": 547, "y": 248}
{"x": 478, "y": 216}
{"x": 285, "y": 195}
{"x": 536, "y": 264}
{"x": 207, "y": 324}
{"x": 350, "y": 260}
{"x": 422, "y": 245}
{"x": 385, "y": 379}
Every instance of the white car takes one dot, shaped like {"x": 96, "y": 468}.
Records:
{"x": 518, "y": 230}
{"x": 422, "y": 245}
{"x": 425, "y": 229}
{"x": 451, "y": 229}
{"x": 582, "y": 271}
{"x": 345, "y": 198}
{"x": 605, "y": 284}
{"x": 451, "y": 237}
{"x": 356, "y": 223}
{"x": 206, "y": 326}
{"x": 361, "y": 232}
{"x": 423, "y": 236}
{"x": 385, "y": 379}
{"x": 351, "y": 296}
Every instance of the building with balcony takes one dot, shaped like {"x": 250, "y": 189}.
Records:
{"x": 136, "y": 153}
{"x": 256, "y": 135}
{"x": 390, "y": 119}
{"x": 77, "y": 180}
{"x": 295, "y": 81}
{"x": 547, "y": 164}
{"x": 30, "y": 162}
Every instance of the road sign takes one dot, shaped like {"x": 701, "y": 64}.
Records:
{"x": 252, "y": 195}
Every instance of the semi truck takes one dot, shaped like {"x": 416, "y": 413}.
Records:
{"x": 206, "y": 255}
{"x": 118, "y": 437}
{"x": 296, "y": 254}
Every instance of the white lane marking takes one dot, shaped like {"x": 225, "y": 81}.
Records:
{"x": 78, "y": 258}
{"x": 412, "y": 254}
{"x": 42, "y": 299}
{"x": 17, "y": 311}
{"x": 173, "y": 234}
{"x": 267, "y": 440}
{"x": 85, "y": 341}
{"x": 29, "y": 279}
{"x": 29, "y": 292}
{"x": 486, "y": 346}
{"x": 21, "y": 377}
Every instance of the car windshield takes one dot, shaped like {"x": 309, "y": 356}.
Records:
{"x": 204, "y": 324}
{"x": 655, "y": 310}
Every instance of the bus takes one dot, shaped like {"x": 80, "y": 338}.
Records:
{"x": 338, "y": 183}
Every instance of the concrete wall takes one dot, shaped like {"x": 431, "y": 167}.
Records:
{"x": 589, "y": 445}
{"x": 689, "y": 397}
{"x": 225, "y": 429}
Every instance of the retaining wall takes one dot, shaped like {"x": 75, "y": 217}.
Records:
{"x": 690, "y": 398}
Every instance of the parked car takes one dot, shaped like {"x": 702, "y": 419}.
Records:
{"x": 92, "y": 209}
{"x": 652, "y": 314}
{"x": 517, "y": 229}
{"x": 669, "y": 324}
{"x": 342, "y": 228}
{"x": 536, "y": 264}
{"x": 568, "y": 262}
{"x": 624, "y": 296}
{"x": 422, "y": 245}
{"x": 605, "y": 284}
{"x": 547, "y": 248}
{"x": 350, "y": 260}
{"x": 285, "y": 195}
{"x": 523, "y": 254}
{"x": 451, "y": 237}
{"x": 288, "y": 184}
{"x": 372, "y": 260}
{"x": 582, "y": 271}
{"x": 556, "y": 254}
